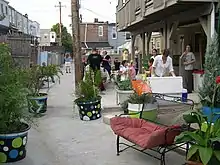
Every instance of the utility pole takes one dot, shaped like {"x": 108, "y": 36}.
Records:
{"x": 76, "y": 39}
{"x": 60, "y": 24}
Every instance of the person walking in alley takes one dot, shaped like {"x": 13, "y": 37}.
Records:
{"x": 188, "y": 59}
{"x": 106, "y": 63}
{"x": 117, "y": 64}
{"x": 94, "y": 60}
{"x": 163, "y": 65}
{"x": 68, "y": 62}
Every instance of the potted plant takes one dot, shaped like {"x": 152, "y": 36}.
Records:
{"x": 37, "y": 76}
{"x": 204, "y": 149}
{"x": 88, "y": 98}
{"x": 135, "y": 104}
{"x": 212, "y": 69}
{"x": 13, "y": 110}
{"x": 123, "y": 90}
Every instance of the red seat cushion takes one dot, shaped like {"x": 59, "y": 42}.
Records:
{"x": 143, "y": 133}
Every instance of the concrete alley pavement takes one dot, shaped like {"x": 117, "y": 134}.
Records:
{"x": 61, "y": 138}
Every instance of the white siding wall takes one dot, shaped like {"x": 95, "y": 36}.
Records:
{"x": 4, "y": 11}
{"x": 20, "y": 22}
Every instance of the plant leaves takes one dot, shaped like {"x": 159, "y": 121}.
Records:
{"x": 192, "y": 151}
{"x": 205, "y": 154}
{"x": 217, "y": 155}
{"x": 182, "y": 138}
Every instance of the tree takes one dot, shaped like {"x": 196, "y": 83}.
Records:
{"x": 66, "y": 37}
{"x": 212, "y": 70}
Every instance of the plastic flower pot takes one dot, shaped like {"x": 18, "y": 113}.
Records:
{"x": 37, "y": 104}
{"x": 123, "y": 95}
{"x": 90, "y": 110}
{"x": 13, "y": 146}
{"x": 207, "y": 112}
{"x": 150, "y": 111}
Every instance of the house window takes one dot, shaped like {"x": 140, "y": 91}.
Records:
{"x": 158, "y": 44}
{"x": 127, "y": 36}
{"x": 6, "y": 10}
{"x": 114, "y": 33}
{"x": 2, "y": 8}
{"x": 100, "y": 31}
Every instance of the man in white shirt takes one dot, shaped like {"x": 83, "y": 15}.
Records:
{"x": 163, "y": 65}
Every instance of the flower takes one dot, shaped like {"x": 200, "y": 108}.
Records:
{"x": 217, "y": 80}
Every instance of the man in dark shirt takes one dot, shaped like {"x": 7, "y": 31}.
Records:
{"x": 117, "y": 64}
{"x": 94, "y": 60}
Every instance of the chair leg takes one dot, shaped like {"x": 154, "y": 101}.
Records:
{"x": 162, "y": 162}
{"x": 117, "y": 145}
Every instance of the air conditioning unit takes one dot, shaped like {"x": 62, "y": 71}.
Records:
{"x": 52, "y": 37}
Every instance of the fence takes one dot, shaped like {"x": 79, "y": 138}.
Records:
{"x": 20, "y": 46}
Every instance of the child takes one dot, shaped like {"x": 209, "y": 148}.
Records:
{"x": 124, "y": 70}
{"x": 132, "y": 71}
{"x": 150, "y": 63}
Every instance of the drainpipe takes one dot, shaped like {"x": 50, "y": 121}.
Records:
{"x": 85, "y": 39}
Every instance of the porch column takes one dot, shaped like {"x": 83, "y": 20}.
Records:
{"x": 141, "y": 55}
{"x": 208, "y": 25}
{"x": 148, "y": 42}
{"x": 171, "y": 32}
{"x": 133, "y": 37}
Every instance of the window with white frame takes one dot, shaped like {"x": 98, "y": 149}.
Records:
{"x": 127, "y": 36}
{"x": 114, "y": 33}
{"x": 100, "y": 31}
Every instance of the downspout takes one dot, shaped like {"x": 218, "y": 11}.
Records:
{"x": 85, "y": 39}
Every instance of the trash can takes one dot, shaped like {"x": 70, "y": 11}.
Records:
{"x": 184, "y": 95}
{"x": 197, "y": 79}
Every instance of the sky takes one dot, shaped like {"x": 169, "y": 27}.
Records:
{"x": 45, "y": 12}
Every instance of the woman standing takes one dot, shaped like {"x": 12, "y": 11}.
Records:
{"x": 188, "y": 59}
{"x": 163, "y": 65}
{"x": 68, "y": 62}
{"x": 154, "y": 53}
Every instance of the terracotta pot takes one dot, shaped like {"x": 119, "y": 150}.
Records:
{"x": 193, "y": 163}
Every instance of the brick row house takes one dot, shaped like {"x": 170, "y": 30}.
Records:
{"x": 101, "y": 35}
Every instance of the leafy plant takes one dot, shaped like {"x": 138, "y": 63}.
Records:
{"x": 88, "y": 90}
{"x": 212, "y": 69}
{"x": 141, "y": 99}
{"x": 138, "y": 99}
{"x": 37, "y": 75}
{"x": 203, "y": 141}
{"x": 13, "y": 106}
{"x": 125, "y": 85}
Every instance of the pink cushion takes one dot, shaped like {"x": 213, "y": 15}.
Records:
{"x": 143, "y": 133}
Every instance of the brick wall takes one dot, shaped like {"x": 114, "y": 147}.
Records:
{"x": 92, "y": 32}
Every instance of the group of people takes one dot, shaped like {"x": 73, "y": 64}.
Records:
{"x": 162, "y": 66}
{"x": 159, "y": 65}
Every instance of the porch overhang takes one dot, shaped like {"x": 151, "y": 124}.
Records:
{"x": 176, "y": 12}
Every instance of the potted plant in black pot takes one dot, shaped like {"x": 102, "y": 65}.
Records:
{"x": 88, "y": 98}
{"x": 37, "y": 76}
{"x": 13, "y": 110}
{"x": 205, "y": 141}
